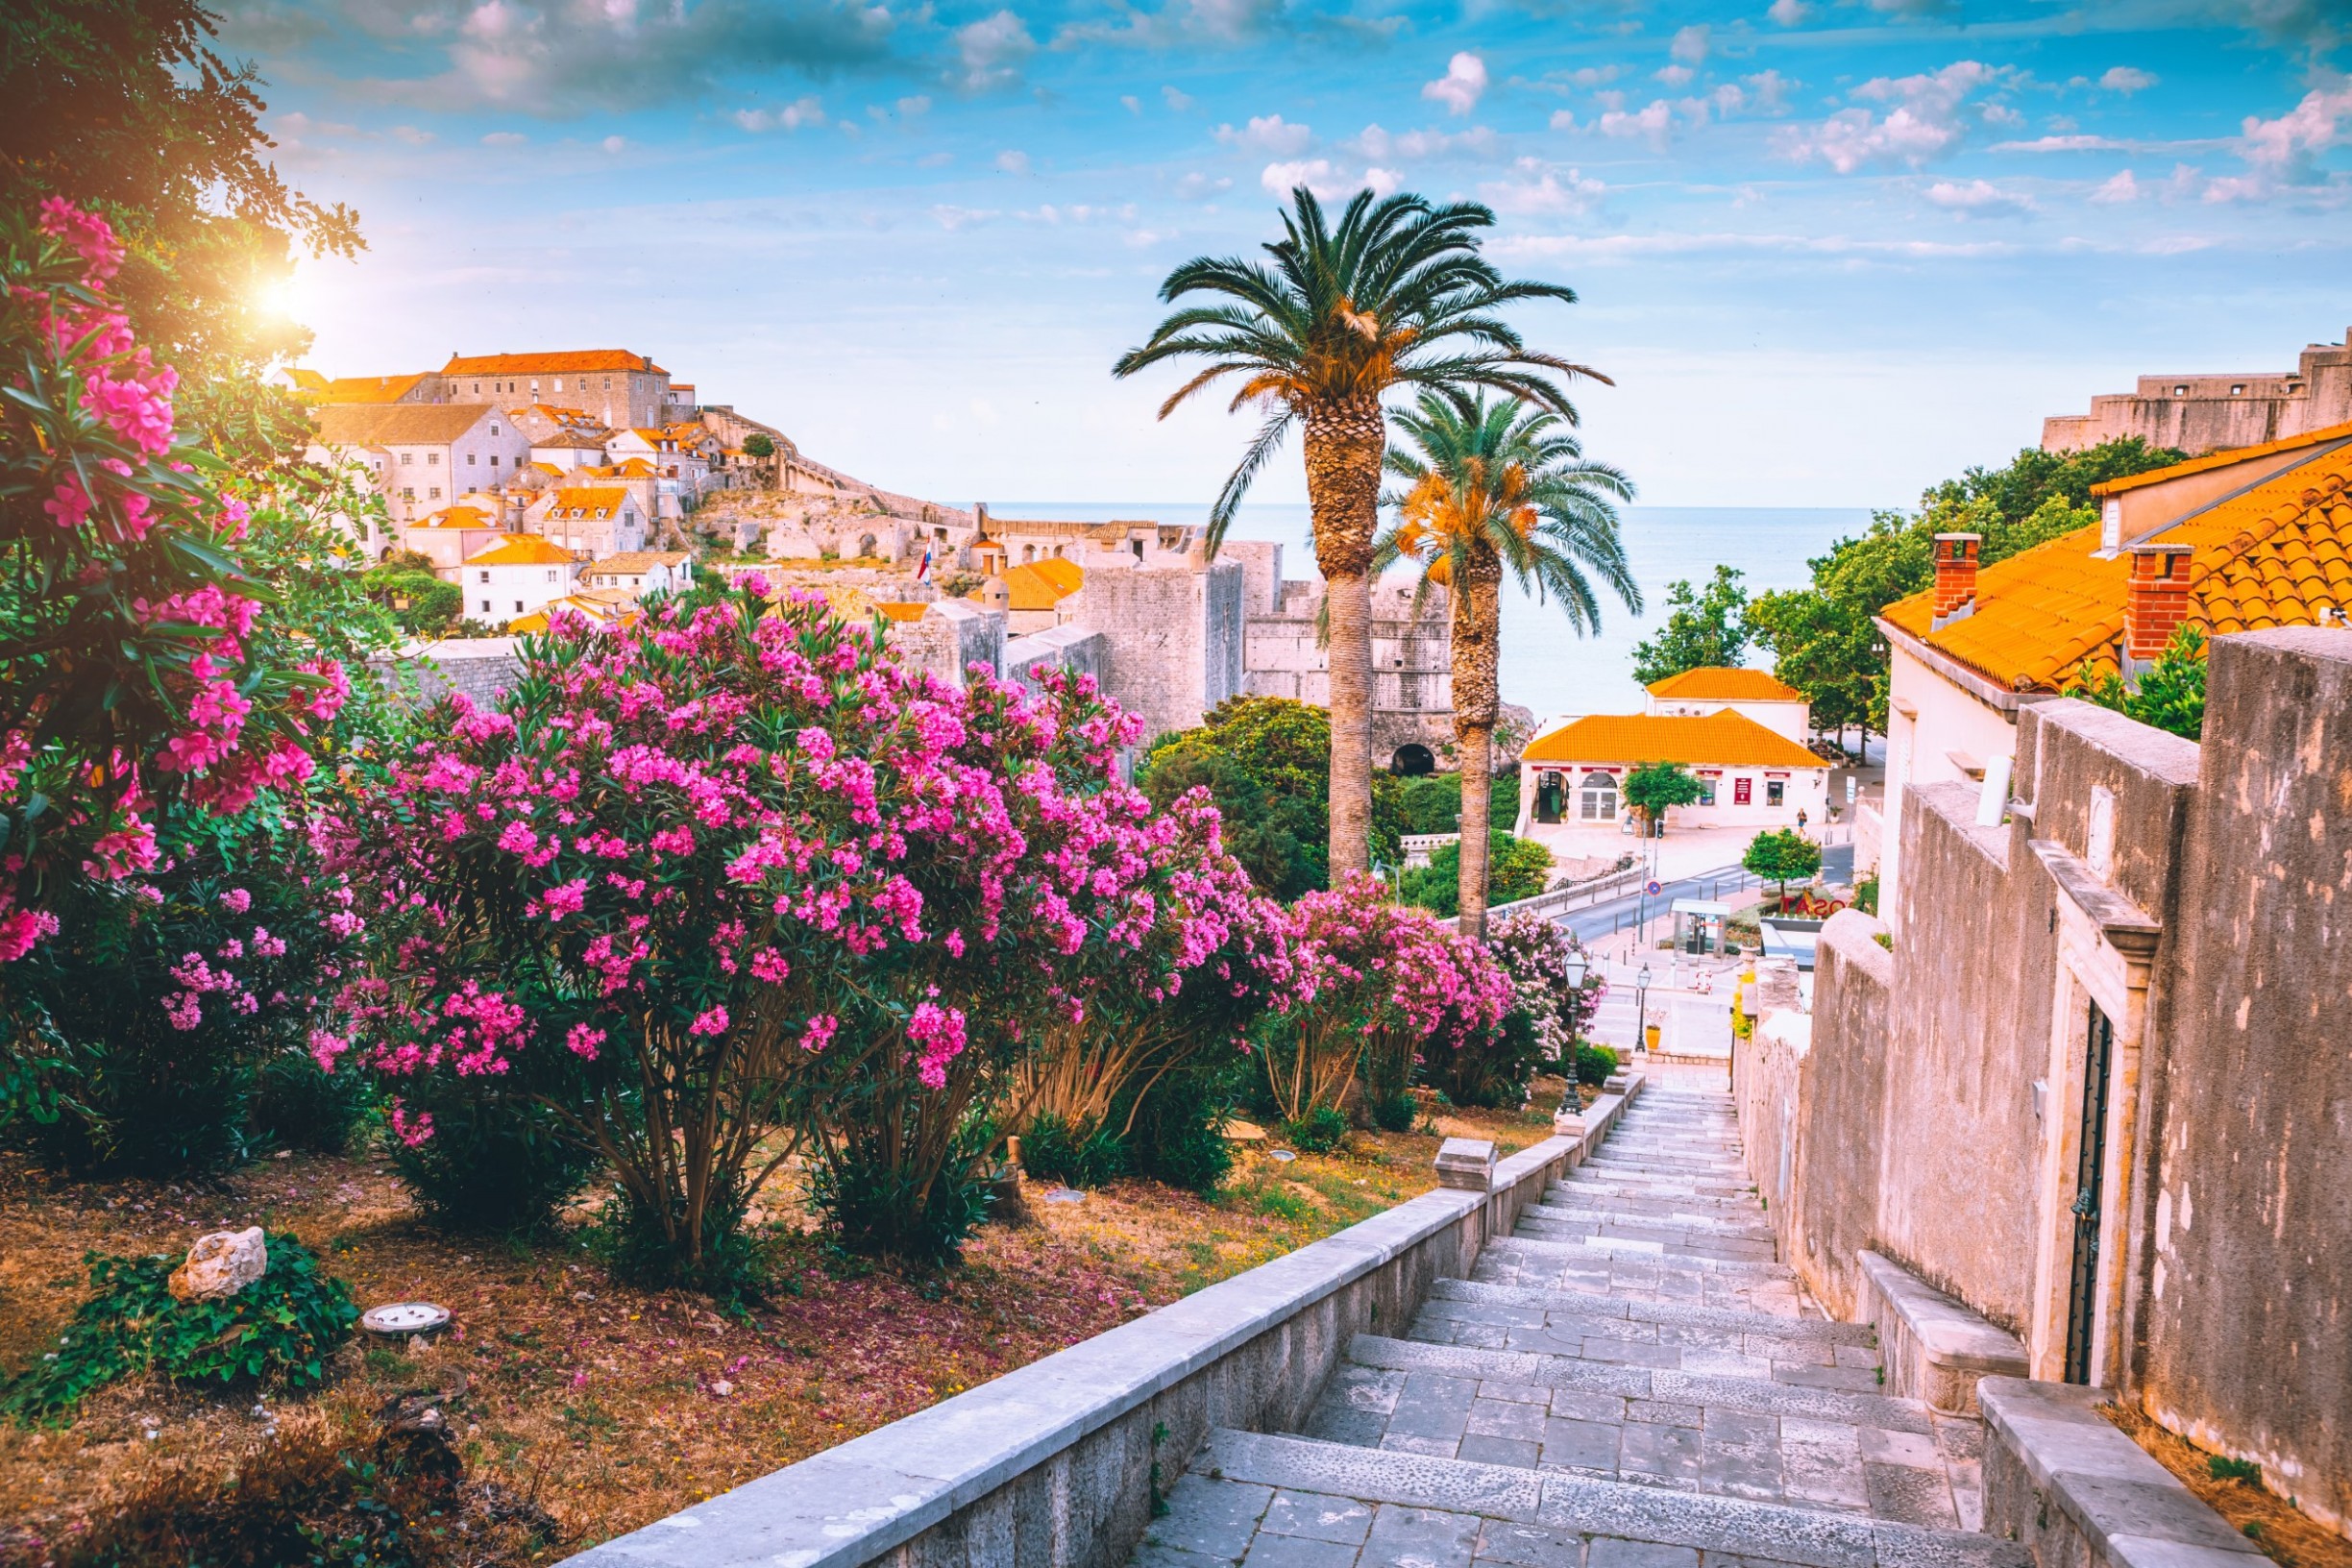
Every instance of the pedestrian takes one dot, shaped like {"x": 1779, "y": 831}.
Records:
{"x": 1801, "y": 820}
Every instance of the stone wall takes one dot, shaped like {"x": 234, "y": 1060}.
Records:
{"x": 1070, "y": 648}
{"x": 482, "y": 668}
{"x": 1413, "y": 661}
{"x": 1174, "y": 639}
{"x": 953, "y": 635}
{"x": 1932, "y": 1107}
{"x": 2244, "y": 1285}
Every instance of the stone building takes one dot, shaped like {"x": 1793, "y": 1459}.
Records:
{"x": 2202, "y": 413}
{"x": 2090, "y": 1079}
{"x": 2237, "y": 541}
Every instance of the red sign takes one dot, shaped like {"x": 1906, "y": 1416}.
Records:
{"x": 1743, "y": 790}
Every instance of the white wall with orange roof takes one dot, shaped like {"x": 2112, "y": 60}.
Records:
{"x": 520, "y": 574}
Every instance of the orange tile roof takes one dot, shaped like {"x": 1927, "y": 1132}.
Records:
{"x": 592, "y": 500}
{"x": 899, "y": 612}
{"x": 1722, "y": 683}
{"x": 2277, "y": 555}
{"x": 2221, "y": 459}
{"x": 560, "y": 364}
{"x": 521, "y": 550}
{"x": 455, "y": 517}
{"x": 1725, "y": 740}
{"x": 1030, "y": 586}
{"x": 358, "y": 388}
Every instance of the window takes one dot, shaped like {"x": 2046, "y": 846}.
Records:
{"x": 478, "y": 393}
{"x": 1707, "y": 792}
{"x": 493, "y": 459}
{"x": 1743, "y": 792}
{"x": 2237, "y": 390}
{"x": 485, "y": 576}
{"x": 2180, "y": 391}
{"x": 608, "y": 383}
{"x": 1776, "y": 791}
{"x": 468, "y": 459}
{"x": 433, "y": 494}
{"x": 485, "y": 606}
{"x": 407, "y": 458}
{"x": 1597, "y": 800}
{"x": 518, "y": 607}
{"x": 433, "y": 459}
{"x": 494, "y": 430}
{"x": 408, "y": 494}
{"x": 550, "y": 576}
{"x": 559, "y": 384}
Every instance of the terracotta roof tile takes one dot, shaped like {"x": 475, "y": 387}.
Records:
{"x": 1726, "y": 739}
{"x": 2277, "y": 555}
{"x": 521, "y": 550}
{"x": 1722, "y": 683}
{"x": 2220, "y": 459}
{"x": 560, "y": 364}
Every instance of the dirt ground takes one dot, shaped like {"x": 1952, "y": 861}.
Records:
{"x": 2285, "y": 1533}
{"x": 611, "y": 1407}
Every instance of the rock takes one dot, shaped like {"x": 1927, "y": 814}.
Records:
{"x": 221, "y": 1264}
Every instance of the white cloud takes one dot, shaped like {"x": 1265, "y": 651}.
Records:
{"x": 1320, "y": 176}
{"x": 1268, "y": 134}
{"x": 1924, "y": 123}
{"x": 910, "y": 108}
{"x": 1550, "y": 193}
{"x": 2284, "y": 145}
{"x": 1177, "y": 101}
{"x": 953, "y": 218}
{"x": 2080, "y": 143}
{"x": 505, "y": 138}
{"x": 1194, "y": 188}
{"x": 1768, "y": 91}
{"x": 1979, "y": 199}
{"x": 1673, "y": 76}
{"x": 2127, "y": 79}
{"x": 1690, "y": 45}
{"x": 993, "y": 49}
{"x": 2118, "y": 189}
{"x": 1563, "y": 120}
{"x": 410, "y": 134}
{"x": 1594, "y": 76}
{"x": 800, "y": 111}
{"x": 1380, "y": 146}
{"x": 613, "y": 144}
{"x": 2000, "y": 114}
{"x": 1462, "y": 86}
{"x": 1789, "y": 12}
{"x": 1653, "y": 123}
{"x": 1012, "y": 161}
{"x": 1131, "y": 103}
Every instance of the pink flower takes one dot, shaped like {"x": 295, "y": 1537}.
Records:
{"x": 236, "y": 900}
{"x": 70, "y": 506}
{"x": 711, "y": 1022}
{"x": 819, "y": 1032}
{"x": 938, "y": 1034}
{"x": 584, "y": 1040}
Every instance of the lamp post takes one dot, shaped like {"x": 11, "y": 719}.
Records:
{"x": 1577, "y": 967}
{"x": 1641, "y": 1010}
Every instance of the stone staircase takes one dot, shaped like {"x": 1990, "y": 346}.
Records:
{"x": 1632, "y": 1381}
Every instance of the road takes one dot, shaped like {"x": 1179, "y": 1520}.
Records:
{"x": 1600, "y": 921}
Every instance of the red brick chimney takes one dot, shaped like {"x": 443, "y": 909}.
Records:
{"x": 2157, "y": 600}
{"x": 1955, "y": 578}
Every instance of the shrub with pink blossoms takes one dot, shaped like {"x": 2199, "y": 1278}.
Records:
{"x": 133, "y": 670}
{"x": 731, "y": 883}
{"x": 1392, "y": 986}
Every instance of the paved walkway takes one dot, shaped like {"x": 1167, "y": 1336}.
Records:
{"x": 1632, "y": 1381}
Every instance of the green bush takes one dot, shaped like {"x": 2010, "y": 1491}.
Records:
{"x": 282, "y": 1328}
{"x": 1594, "y": 1063}
{"x": 1515, "y": 868}
{"x": 1492, "y": 1073}
{"x": 871, "y": 1204}
{"x": 495, "y": 1165}
{"x": 1178, "y": 1135}
{"x": 1866, "y": 896}
{"x": 1396, "y": 1112}
{"x": 1087, "y": 1155}
{"x": 1320, "y": 1131}
{"x": 295, "y": 1104}
{"x": 738, "y": 1263}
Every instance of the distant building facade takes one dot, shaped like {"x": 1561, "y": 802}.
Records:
{"x": 420, "y": 456}
{"x": 2204, "y": 413}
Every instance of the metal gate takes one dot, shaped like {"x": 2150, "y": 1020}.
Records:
{"x": 2091, "y": 1163}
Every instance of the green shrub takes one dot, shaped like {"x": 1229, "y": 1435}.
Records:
{"x": 1594, "y": 1063}
{"x": 739, "y": 1263}
{"x": 1396, "y": 1112}
{"x": 295, "y": 1104}
{"x": 1319, "y": 1131}
{"x": 2243, "y": 1471}
{"x": 1515, "y": 868}
{"x": 1492, "y": 1072}
{"x": 496, "y": 1163}
{"x": 1178, "y": 1134}
{"x": 282, "y": 1328}
{"x": 1866, "y": 896}
{"x": 872, "y": 1204}
{"x": 1087, "y": 1155}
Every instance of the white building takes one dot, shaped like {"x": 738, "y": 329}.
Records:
{"x": 641, "y": 572}
{"x": 518, "y": 576}
{"x": 452, "y": 534}
{"x": 616, "y": 386}
{"x": 592, "y": 521}
{"x": 421, "y": 456}
{"x": 1748, "y": 776}
{"x": 1754, "y": 693}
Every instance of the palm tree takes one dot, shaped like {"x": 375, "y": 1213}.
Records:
{"x": 1498, "y": 488}
{"x": 1397, "y": 294}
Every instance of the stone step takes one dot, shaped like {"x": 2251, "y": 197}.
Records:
{"x": 1372, "y": 1508}
{"x": 1558, "y": 1327}
{"x": 1679, "y": 1313}
{"x": 1572, "y": 1190}
{"x": 1655, "y": 1252}
{"x": 1612, "y": 1167}
{"x": 1726, "y": 1225}
{"x": 1588, "y": 1270}
{"x": 1676, "y": 1240}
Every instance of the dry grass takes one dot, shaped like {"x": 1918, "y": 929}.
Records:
{"x": 611, "y": 1407}
{"x": 2284, "y": 1533}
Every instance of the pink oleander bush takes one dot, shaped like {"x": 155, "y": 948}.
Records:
{"x": 729, "y": 884}
{"x": 139, "y": 668}
{"x": 1385, "y": 987}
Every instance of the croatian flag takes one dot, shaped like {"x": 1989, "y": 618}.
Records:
{"x": 923, "y": 570}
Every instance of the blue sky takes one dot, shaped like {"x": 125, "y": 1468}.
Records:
{"x": 1828, "y": 249}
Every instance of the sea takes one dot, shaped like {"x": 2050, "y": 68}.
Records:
{"x": 1546, "y": 666}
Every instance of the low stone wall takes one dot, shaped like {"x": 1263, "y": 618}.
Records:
{"x": 1933, "y": 1348}
{"x": 1058, "y": 1462}
{"x": 2066, "y": 1485}
{"x": 482, "y": 668}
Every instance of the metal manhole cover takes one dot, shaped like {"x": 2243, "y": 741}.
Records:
{"x": 400, "y": 1318}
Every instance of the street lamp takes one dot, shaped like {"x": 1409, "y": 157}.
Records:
{"x": 1641, "y": 1010}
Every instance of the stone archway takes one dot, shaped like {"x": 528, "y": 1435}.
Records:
{"x": 1412, "y": 760}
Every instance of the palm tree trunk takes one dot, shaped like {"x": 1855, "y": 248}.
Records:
{"x": 1477, "y": 635}
{"x": 1345, "y": 440}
